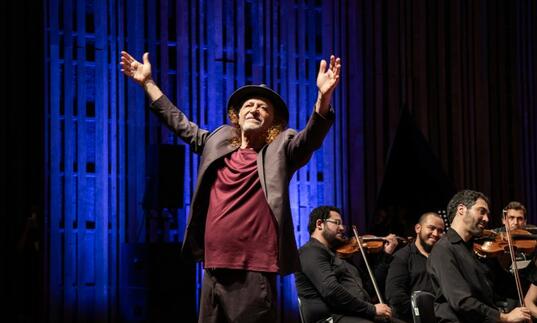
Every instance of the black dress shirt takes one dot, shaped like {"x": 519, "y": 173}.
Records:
{"x": 329, "y": 285}
{"x": 462, "y": 286}
{"x": 407, "y": 273}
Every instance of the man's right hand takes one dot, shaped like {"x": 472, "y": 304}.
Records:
{"x": 140, "y": 73}
{"x": 518, "y": 314}
{"x": 383, "y": 311}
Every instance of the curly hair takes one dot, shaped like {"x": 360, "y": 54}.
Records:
{"x": 320, "y": 213}
{"x": 466, "y": 198}
{"x": 277, "y": 127}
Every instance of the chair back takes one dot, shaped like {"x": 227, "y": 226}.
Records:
{"x": 302, "y": 319}
{"x": 422, "y": 307}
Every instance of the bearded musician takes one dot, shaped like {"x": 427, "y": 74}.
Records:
{"x": 329, "y": 287}
{"x": 408, "y": 271}
{"x": 462, "y": 285}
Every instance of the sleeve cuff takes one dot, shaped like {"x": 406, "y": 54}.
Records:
{"x": 328, "y": 116}
{"x": 161, "y": 101}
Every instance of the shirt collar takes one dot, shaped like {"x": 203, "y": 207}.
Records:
{"x": 455, "y": 238}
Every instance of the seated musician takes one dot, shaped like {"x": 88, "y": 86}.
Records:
{"x": 514, "y": 215}
{"x": 462, "y": 286}
{"x": 328, "y": 286}
{"x": 408, "y": 272}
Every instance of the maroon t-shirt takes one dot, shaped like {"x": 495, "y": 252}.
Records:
{"x": 240, "y": 231}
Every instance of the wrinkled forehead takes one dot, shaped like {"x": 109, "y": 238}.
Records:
{"x": 257, "y": 99}
{"x": 515, "y": 213}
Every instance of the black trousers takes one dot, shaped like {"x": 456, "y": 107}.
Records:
{"x": 230, "y": 295}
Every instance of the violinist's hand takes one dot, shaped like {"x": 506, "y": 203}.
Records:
{"x": 383, "y": 311}
{"x": 391, "y": 244}
{"x": 518, "y": 314}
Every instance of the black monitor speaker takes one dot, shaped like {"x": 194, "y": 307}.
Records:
{"x": 164, "y": 177}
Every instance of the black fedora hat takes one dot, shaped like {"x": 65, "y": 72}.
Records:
{"x": 250, "y": 91}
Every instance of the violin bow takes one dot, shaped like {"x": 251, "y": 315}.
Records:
{"x": 367, "y": 264}
{"x": 513, "y": 263}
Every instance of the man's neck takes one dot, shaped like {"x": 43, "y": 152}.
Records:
{"x": 255, "y": 142}
{"x": 420, "y": 248}
{"x": 321, "y": 239}
{"x": 463, "y": 233}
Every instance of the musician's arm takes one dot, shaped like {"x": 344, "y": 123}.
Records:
{"x": 447, "y": 278}
{"x": 531, "y": 300}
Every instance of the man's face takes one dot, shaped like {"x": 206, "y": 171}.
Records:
{"x": 256, "y": 115}
{"x": 476, "y": 218}
{"x": 429, "y": 232}
{"x": 515, "y": 219}
{"x": 333, "y": 229}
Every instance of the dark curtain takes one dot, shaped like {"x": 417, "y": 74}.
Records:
{"x": 21, "y": 171}
{"x": 466, "y": 72}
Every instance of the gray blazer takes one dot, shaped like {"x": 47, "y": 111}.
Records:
{"x": 276, "y": 164}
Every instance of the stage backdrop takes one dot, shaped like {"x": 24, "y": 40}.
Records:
{"x": 99, "y": 132}
{"x": 465, "y": 71}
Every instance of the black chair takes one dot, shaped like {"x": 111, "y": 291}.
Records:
{"x": 302, "y": 319}
{"x": 422, "y": 307}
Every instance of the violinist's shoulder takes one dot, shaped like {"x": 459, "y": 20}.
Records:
{"x": 405, "y": 252}
{"x": 441, "y": 247}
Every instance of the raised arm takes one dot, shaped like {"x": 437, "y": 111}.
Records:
{"x": 166, "y": 111}
{"x": 327, "y": 81}
{"x": 141, "y": 74}
{"x": 311, "y": 137}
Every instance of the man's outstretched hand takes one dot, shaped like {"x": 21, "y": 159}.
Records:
{"x": 327, "y": 81}
{"x": 140, "y": 73}
{"x": 328, "y": 78}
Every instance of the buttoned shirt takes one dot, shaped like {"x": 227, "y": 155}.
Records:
{"x": 462, "y": 285}
{"x": 407, "y": 273}
{"x": 330, "y": 285}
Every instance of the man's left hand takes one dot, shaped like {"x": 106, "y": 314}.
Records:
{"x": 391, "y": 243}
{"x": 327, "y": 81}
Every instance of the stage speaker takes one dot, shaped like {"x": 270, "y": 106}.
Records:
{"x": 164, "y": 177}
{"x": 160, "y": 285}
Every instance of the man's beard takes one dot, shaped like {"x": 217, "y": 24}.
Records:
{"x": 475, "y": 230}
{"x": 333, "y": 240}
{"x": 427, "y": 247}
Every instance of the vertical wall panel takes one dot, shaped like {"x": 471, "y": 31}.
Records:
{"x": 101, "y": 130}
{"x": 54, "y": 176}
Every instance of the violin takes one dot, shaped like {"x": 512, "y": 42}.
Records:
{"x": 370, "y": 243}
{"x": 371, "y": 276}
{"x": 494, "y": 244}
{"x": 506, "y": 244}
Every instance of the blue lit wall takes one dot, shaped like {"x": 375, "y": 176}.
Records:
{"x": 98, "y": 129}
